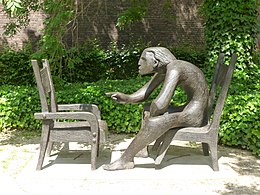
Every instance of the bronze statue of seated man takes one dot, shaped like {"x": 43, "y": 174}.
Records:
{"x": 160, "y": 116}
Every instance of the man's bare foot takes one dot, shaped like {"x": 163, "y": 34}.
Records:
{"x": 118, "y": 165}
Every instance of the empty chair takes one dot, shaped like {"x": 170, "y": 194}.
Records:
{"x": 207, "y": 135}
{"x": 65, "y": 123}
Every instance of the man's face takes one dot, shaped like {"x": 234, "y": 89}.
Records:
{"x": 147, "y": 63}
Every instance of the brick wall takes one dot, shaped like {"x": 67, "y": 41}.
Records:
{"x": 32, "y": 32}
{"x": 97, "y": 19}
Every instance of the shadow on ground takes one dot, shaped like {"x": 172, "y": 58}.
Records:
{"x": 231, "y": 188}
{"x": 17, "y": 146}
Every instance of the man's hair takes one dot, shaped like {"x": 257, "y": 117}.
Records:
{"x": 163, "y": 55}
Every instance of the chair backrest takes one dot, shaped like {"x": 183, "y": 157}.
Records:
{"x": 221, "y": 79}
{"x": 45, "y": 86}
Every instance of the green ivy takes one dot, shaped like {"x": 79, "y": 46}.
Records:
{"x": 15, "y": 67}
{"x": 231, "y": 27}
{"x": 239, "y": 123}
{"x": 17, "y": 105}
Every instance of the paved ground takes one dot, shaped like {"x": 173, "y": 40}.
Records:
{"x": 184, "y": 171}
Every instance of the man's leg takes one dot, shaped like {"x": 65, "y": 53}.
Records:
{"x": 151, "y": 130}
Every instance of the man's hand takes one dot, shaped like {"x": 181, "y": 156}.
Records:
{"x": 119, "y": 97}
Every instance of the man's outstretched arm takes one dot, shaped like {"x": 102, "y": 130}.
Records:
{"x": 144, "y": 92}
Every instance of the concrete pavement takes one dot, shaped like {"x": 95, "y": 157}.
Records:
{"x": 184, "y": 170}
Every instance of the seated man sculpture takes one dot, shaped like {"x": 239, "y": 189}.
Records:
{"x": 160, "y": 116}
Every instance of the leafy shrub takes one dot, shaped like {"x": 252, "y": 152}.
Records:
{"x": 239, "y": 124}
{"x": 256, "y": 57}
{"x": 194, "y": 55}
{"x": 231, "y": 27}
{"x": 17, "y": 105}
{"x": 84, "y": 64}
{"x": 91, "y": 62}
{"x": 15, "y": 67}
{"x": 88, "y": 63}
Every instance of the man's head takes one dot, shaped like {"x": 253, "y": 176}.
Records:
{"x": 153, "y": 59}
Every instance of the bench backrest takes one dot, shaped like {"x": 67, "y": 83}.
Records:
{"x": 45, "y": 86}
{"x": 219, "y": 88}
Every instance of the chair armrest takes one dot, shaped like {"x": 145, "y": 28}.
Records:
{"x": 90, "y": 117}
{"x": 81, "y": 107}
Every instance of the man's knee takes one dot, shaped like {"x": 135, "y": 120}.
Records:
{"x": 153, "y": 124}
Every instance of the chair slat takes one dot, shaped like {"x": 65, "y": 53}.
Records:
{"x": 45, "y": 80}
{"x": 221, "y": 74}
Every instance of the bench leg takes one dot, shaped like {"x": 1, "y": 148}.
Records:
{"x": 49, "y": 148}
{"x": 44, "y": 143}
{"x": 94, "y": 152}
{"x": 214, "y": 156}
{"x": 168, "y": 136}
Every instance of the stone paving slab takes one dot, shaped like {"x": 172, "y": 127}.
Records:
{"x": 184, "y": 171}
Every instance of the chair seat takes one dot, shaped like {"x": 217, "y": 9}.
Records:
{"x": 192, "y": 133}
{"x": 195, "y": 130}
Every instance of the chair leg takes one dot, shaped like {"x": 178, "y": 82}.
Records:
{"x": 158, "y": 143}
{"x": 214, "y": 156}
{"x": 49, "y": 148}
{"x": 205, "y": 148}
{"x": 164, "y": 146}
{"x": 98, "y": 144}
{"x": 44, "y": 143}
{"x": 94, "y": 152}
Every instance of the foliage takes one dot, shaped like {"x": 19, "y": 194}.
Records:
{"x": 87, "y": 63}
{"x": 192, "y": 54}
{"x": 123, "y": 63}
{"x": 231, "y": 27}
{"x": 90, "y": 62}
{"x": 239, "y": 124}
{"x": 256, "y": 57}
{"x": 60, "y": 13}
{"x": 17, "y": 104}
{"x": 136, "y": 11}
{"x": 15, "y": 67}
